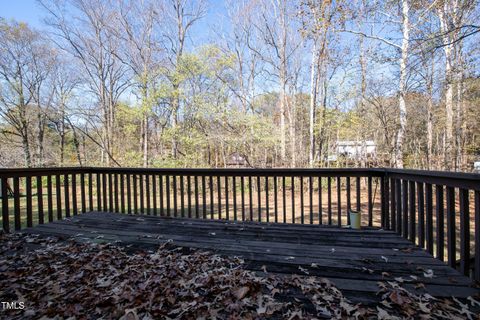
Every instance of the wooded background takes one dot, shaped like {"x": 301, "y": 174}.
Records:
{"x": 166, "y": 83}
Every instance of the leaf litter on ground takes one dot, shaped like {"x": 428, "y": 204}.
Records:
{"x": 59, "y": 279}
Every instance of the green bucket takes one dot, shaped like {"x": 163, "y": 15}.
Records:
{"x": 355, "y": 219}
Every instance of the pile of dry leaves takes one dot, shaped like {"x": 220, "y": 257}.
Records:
{"x": 89, "y": 281}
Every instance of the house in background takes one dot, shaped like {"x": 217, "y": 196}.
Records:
{"x": 476, "y": 167}
{"x": 351, "y": 150}
{"x": 236, "y": 160}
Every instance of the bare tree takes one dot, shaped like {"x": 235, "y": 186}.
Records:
{"x": 403, "y": 50}
{"x": 139, "y": 33}
{"x": 180, "y": 17}
{"x": 25, "y": 64}
{"x": 84, "y": 34}
{"x": 451, "y": 16}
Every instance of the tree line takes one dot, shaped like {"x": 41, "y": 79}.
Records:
{"x": 178, "y": 83}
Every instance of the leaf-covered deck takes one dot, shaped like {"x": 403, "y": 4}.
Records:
{"x": 356, "y": 261}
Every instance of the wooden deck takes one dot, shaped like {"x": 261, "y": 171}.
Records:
{"x": 355, "y": 260}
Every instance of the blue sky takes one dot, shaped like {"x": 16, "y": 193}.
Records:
{"x": 31, "y": 12}
{"x": 22, "y": 10}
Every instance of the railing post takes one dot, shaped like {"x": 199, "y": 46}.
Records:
{"x": 382, "y": 201}
{"x": 386, "y": 192}
{"x": 6, "y": 222}
{"x": 477, "y": 236}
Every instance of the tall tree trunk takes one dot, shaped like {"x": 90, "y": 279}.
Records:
{"x": 430, "y": 116}
{"x": 25, "y": 131}
{"x": 313, "y": 101}
{"x": 40, "y": 136}
{"x": 448, "y": 51}
{"x": 293, "y": 136}
{"x": 283, "y": 78}
{"x": 145, "y": 140}
{"x": 26, "y": 146}
{"x": 363, "y": 94}
{"x": 460, "y": 123}
{"x": 175, "y": 107}
{"x": 62, "y": 133}
{"x": 403, "y": 86}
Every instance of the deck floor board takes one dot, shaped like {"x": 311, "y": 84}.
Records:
{"x": 354, "y": 260}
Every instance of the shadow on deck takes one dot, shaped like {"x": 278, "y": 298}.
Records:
{"x": 354, "y": 260}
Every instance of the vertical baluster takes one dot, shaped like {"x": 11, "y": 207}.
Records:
{"x": 182, "y": 196}
{"x": 339, "y": 201}
{"x": 393, "y": 206}
{"x": 382, "y": 203}
{"x": 386, "y": 187}
{"x": 160, "y": 184}
{"x": 110, "y": 192}
{"x": 104, "y": 192}
{"x": 28, "y": 186}
{"x": 310, "y": 196}
{"x": 358, "y": 186}
{"x": 464, "y": 232}
{"x": 320, "y": 205}
{"x": 429, "y": 217}
{"x": 16, "y": 203}
{"x": 421, "y": 214}
{"x": 284, "y": 199}
{"x": 74, "y": 194}
{"x": 210, "y": 181}
{"x": 150, "y": 191}
{"x": 147, "y": 193}
{"x": 82, "y": 193}
{"x": 250, "y": 194}
{"x": 477, "y": 236}
{"x": 135, "y": 194}
{"x": 293, "y": 199}
{"x": 234, "y": 186}
{"x": 329, "y": 199}
{"x": 440, "y": 232}
{"x": 412, "y": 206}
{"x": 349, "y": 200}
{"x": 5, "y": 216}
{"x": 204, "y": 198}
{"x": 90, "y": 192}
{"x": 99, "y": 192}
{"x": 275, "y": 198}
{"x": 40, "y": 200}
{"x": 227, "y": 207}
{"x": 219, "y": 196}
{"x": 196, "y": 197}
{"x": 50, "y": 198}
{"x": 398, "y": 196}
{"x": 129, "y": 194}
{"x": 175, "y": 207}
{"x": 189, "y": 196}
{"x": 405, "y": 208}
{"x": 267, "y": 205}
{"x": 58, "y": 195}
{"x": 451, "y": 244}
{"x": 302, "y": 213}
{"x": 142, "y": 194}
{"x": 167, "y": 189}
{"x": 242, "y": 183}
{"x": 66, "y": 193}
{"x": 115, "y": 192}
{"x": 370, "y": 202}
{"x": 122, "y": 193}
{"x": 154, "y": 191}
{"x": 259, "y": 199}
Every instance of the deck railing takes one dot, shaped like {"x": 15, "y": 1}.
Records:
{"x": 432, "y": 209}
